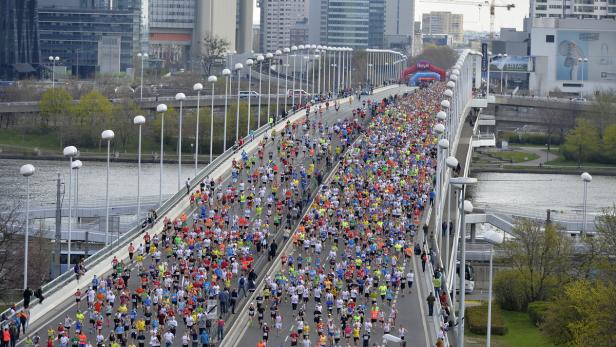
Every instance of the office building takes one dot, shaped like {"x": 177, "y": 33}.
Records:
{"x": 444, "y": 23}
{"x": 19, "y": 51}
{"x": 576, "y": 56}
{"x": 351, "y": 23}
{"x": 512, "y": 42}
{"x": 299, "y": 33}
{"x": 399, "y": 28}
{"x": 278, "y": 17}
{"x": 73, "y": 30}
{"x": 243, "y": 35}
{"x": 580, "y": 9}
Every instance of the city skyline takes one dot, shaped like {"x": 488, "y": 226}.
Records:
{"x": 474, "y": 19}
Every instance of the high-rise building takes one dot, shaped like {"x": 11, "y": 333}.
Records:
{"x": 350, "y": 23}
{"x": 399, "y": 17}
{"x": 19, "y": 48}
{"x": 580, "y": 9}
{"x": 243, "y": 41}
{"x": 74, "y": 30}
{"x": 278, "y": 17}
{"x": 444, "y": 23}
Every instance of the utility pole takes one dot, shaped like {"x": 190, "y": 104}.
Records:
{"x": 55, "y": 270}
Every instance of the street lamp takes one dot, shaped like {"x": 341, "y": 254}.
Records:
{"x": 70, "y": 152}
{"x": 238, "y": 67}
{"x": 452, "y": 164}
{"x": 212, "y": 79}
{"x": 260, "y": 59}
{"x": 180, "y": 97}
{"x": 586, "y": 178}
{"x": 161, "y": 108}
{"x": 225, "y": 73}
{"x": 301, "y": 77}
{"x": 269, "y": 57}
{"x": 249, "y": 64}
{"x": 465, "y": 206}
{"x": 286, "y": 51}
{"x": 107, "y": 135}
{"x": 139, "y": 121}
{"x": 27, "y": 171}
{"x": 293, "y": 49}
{"x": 581, "y": 61}
{"x": 76, "y": 165}
{"x": 198, "y": 87}
{"x": 53, "y": 61}
{"x": 278, "y": 53}
{"x": 142, "y": 56}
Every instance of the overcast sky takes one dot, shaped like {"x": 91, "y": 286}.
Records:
{"x": 475, "y": 18}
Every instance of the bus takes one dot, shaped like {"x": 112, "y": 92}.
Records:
{"x": 470, "y": 277}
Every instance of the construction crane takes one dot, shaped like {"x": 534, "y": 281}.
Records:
{"x": 492, "y": 4}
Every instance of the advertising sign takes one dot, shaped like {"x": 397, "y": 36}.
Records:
{"x": 484, "y": 58}
{"x": 586, "y": 55}
{"x": 514, "y": 63}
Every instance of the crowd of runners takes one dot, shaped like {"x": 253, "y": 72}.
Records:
{"x": 352, "y": 250}
{"x": 180, "y": 287}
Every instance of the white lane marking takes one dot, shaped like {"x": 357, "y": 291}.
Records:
{"x": 420, "y": 300}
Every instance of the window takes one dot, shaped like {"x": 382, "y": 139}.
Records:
{"x": 549, "y": 38}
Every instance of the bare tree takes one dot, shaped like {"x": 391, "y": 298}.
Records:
{"x": 214, "y": 49}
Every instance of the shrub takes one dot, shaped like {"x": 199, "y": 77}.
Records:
{"x": 477, "y": 320}
{"x": 509, "y": 290}
{"x": 537, "y": 310}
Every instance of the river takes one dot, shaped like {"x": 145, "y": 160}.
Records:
{"x": 92, "y": 176}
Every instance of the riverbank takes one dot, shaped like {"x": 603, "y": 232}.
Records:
{"x": 545, "y": 169}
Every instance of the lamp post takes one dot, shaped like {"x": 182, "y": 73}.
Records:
{"x": 260, "y": 59}
{"x": 161, "y": 108}
{"x": 452, "y": 164}
{"x": 142, "y": 56}
{"x": 489, "y": 325}
{"x": 139, "y": 121}
{"x": 438, "y": 129}
{"x": 70, "y": 152}
{"x": 225, "y": 73}
{"x": 301, "y": 77}
{"x": 278, "y": 53}
{"x": 198, "y": 87}
{"x": 586, "y": 178}
{"x": 53, "y": 61}
{"x": 465, "y": 206}
{"x": 180, "y": 97}
{"x": 502, "y": 56}
{"x": 107, "y": 135}
{"x": 212, "y": 79}
{"x": 269, "y": 57}
{"x": 286, "y": 51}
{"x": 238, "y": 67}
{"x": 249, "y": 64}
{"x": 76, "y": 165}
{"x": 27, "y": 171}
{"x": 293, "y": 49}
{"x": 582, "y": 61}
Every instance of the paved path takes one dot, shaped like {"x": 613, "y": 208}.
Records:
{"x": 542, "y": 153}
{"x": 57, "y": 315}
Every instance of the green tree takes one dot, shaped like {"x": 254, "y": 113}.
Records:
{"x": 583, "y": 315}
{"x": 582, "y": 142}
{"x": 541, "y": 254}
{"x": 121, "y": 122}
{"x": 55, "y": 105}
{"x": 609, "y": 143}
{"x": 604, "y": 109}
{"x": 90, "y": 116}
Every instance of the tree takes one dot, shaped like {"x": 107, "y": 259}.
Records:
{"x": 541, "y": 254}
{"x": 121, "y": 121}
{"x": 582, "y": 142}
{"x": 55, "y": 104}
{"x": 609, "y": 143}
{"x": 441, "y": 56}
{"x": 90, "y": 115}
{"x": 214, "y": 48}
{"x": 604, "y": 109}
{"x": 583, "y": 315}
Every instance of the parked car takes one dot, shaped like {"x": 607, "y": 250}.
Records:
{"x": 245, "y": 93}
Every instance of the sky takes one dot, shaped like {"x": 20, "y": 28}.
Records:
{"x": 475, "y": 18}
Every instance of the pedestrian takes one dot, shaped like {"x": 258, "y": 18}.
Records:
{"x": 39, "y": 294}
{"x": 221, "y": 328}
{"x": 27, "y": 295}
{"x": 424, "y": 259}
{"x": 431, "y": 299}
{"x": 188, "y": 186}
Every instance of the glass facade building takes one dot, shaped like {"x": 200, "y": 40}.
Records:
{"x": 18, "y": 37}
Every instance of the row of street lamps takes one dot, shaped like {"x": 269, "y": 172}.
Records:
{"x": 384, "y": 65}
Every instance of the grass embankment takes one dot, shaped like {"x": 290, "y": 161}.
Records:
{"x": 561, "y": 161}
{"x": 520, "y": 333}
{"x": 515, "y": 156}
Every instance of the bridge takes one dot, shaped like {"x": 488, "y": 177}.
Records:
{"x": 458, "y": 106}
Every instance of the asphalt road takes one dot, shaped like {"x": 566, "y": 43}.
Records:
{"x": 68, "y": 308}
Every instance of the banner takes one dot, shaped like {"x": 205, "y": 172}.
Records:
{"x": 484, "y": 58}
{"x": 514, "y": 63}
{"x": 586, "y": 55}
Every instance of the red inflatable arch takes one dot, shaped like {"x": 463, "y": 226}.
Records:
{"x": 422, "y": 65}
